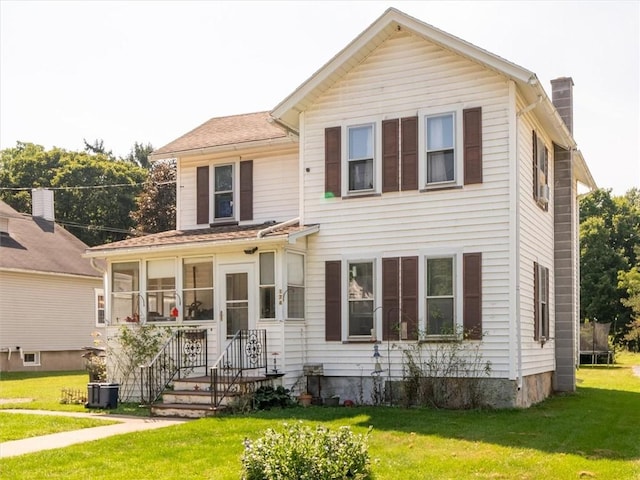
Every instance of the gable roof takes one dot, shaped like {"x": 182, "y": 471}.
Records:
{"x": 287, "y": 112}
{"x": 38, "y": 245}
{"x": 217, "y": 133}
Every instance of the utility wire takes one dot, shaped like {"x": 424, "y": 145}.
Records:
{"x": 87, "y": 187}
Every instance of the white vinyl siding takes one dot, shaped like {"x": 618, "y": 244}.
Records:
{"x": 466, "y": 219}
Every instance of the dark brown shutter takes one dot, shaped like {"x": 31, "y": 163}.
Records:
{"x": 333, "y": 302}
{"x": 409, "y": 283}
{"x": 409, "y": 155}
{"x": 472, "y": 132}
{"x": 390, "y": 155}
{"x": 332, "y": 161}
{"x": 390, "y": 298}
{"x": 246, "y": 190}
{"x": 535, "y": 165}
{"x": 536, "y": 302}
{"x": 202, "y": 195}
{"x": 472, "y": 295}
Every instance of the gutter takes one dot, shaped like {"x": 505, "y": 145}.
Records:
{"x": 277, "y": 226}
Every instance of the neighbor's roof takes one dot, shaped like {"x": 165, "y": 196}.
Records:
{"x": 37, "y": 245}
{"x": 219, "y": 132}
{"x": 213, "y": 236}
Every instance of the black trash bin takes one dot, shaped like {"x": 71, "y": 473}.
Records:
{"x": 102, "y": 395}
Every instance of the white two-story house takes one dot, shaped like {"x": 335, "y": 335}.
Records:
{"x": 415, "y": 189}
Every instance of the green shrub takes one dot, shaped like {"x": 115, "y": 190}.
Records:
{"x": 267, "y": 397}
{"x": 302, "y": 453}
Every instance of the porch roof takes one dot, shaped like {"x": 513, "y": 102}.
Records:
{"x": 214, "y": 236}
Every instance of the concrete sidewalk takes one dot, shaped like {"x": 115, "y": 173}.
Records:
{"x": 64, "y": 439}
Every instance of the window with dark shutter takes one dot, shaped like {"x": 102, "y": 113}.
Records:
{"x": 472, "y": 133}
{"x": 202, "y": 195}
{"x": 540, "y": 302}
{"x": 536, "y": 301}
{"x": 246, "y": 190}
{"x": 409, "y": 155}
{"x": 390, "y": 298}
{"x": 333, "y": 302}
{"x": 332, "y": 161}
{"x": 390, "y": 155}
{"x": 472, "y": 295}
{"x": 409, "y": 297}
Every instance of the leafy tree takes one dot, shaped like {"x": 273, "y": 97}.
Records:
{"x": 97, "y": 147}
{"x": 96, "y": 213}
{"x": 156, "y": 204}
{"x": 630, "y": 281}
{"x": 139, "y": 154}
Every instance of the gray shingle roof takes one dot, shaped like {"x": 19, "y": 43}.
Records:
{"x": 39, "y": 245}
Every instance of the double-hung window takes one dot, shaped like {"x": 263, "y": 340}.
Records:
{"x": 99, "y": 299}
{"x": 361, "y": 298}
{"x": 440, "y": 296}
{"x": 161, "y": 289}
{"x": 267, "y": 285}
{"x": 541, "y": 300}
{"x": 125, "y": 291}
{"x": 360, "y": 161}
{"x": 295, "y": 285}
{"x": 440, "y": 145}
{"x": 197, "y": 292}
{"x": 540, "y": 172}
{"x": 223, "y": 184}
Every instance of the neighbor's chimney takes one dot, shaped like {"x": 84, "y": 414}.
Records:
{"x": 42, "y": 203}
{"x": 562, "y": 97}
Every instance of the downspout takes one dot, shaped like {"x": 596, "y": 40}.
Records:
{"x": 278, "y": 226}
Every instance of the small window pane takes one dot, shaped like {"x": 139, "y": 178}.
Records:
{"x": 223, "y": 205}
{"x": 125, "y": 277}
{"x": 295, "y": 305}
{"x": 361, "y": 175}
{"x": 439, "y": 277}
{"x": 360, "y": 281}
{"x": 224, "y": 178}
{"x": 198, "y": 304}
{"x": 440, "y": 132}
{"x": 360, "y": 318}
{"x": 440, "y": 167}
{"x": 440, "y": 316}
{"x": 267, "y": 302}
{"x": 361, "y": 142}
{"x": 267, "y": 266}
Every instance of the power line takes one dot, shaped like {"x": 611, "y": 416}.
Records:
{"x": 87, "y": 187}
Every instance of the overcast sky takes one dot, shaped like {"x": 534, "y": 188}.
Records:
{"x": 149, "y": 71}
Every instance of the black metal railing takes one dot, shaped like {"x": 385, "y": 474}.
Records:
{"x": 246, "y": 352}
{"x": 183, "y": 353}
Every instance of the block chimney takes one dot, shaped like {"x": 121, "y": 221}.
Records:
{"x": 562, "y": 98}
{"x": 42, "y": 204}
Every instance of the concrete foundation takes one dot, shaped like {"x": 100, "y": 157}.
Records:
{"x": 49, "y": 362}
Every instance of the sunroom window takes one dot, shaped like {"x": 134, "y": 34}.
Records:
{"x": 295, "y": 285}
{"x": 361, "y": 299}
{"x": 161, "y": 289}
{"x": 125, "y": 292}
{"x": 197, "y": 293}
{"x": 440, "y": 136}
{"x": 360, "y": 162}
{"x": 440, "y": 298}
{"x": 223, "y": 192}
{"x": 267, "y": 285}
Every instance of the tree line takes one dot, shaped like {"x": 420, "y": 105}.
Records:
{"x": 101, "y": 199}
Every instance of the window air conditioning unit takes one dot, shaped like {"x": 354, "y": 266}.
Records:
{"x": 544, "y": 193}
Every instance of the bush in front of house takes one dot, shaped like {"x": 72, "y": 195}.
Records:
{"x": 300, "y": 452}
{"x": 267, "y": 397}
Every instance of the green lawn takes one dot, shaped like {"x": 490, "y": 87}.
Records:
{"x": 590, "y": 434}
{"x": 15, "y": 426}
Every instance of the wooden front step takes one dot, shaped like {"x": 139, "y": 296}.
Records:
{"x": 183, "y": 410}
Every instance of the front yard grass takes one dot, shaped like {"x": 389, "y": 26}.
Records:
{"x": 590, "y": 434}
{"x": 16, "y": 426}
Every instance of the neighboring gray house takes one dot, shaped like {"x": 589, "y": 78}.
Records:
{"x": 51, "y": 299}
{"x": 416, "y": 186}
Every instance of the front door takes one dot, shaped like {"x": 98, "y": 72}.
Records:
{"x": 237, "y": 300}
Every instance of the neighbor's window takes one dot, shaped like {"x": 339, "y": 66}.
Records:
{"x": 440, "y": 144}
{"x": 541, "y": 297}
{"x": 267, "y": 285}
{"x": 440, "y": 298}
{"x": 161, "y": 289}
{"x": 223, "y": 192}
{"x": 197, "y": 288}
{"x": 361, "y": 298}
{"x": 295, "y": 285}
{"x": 360, "y": 162}
{"x": 125, "y": 291}
{"x": 99, "y": 299}
{"x": 31, "y": 359}
{"x": 540, "y": 172}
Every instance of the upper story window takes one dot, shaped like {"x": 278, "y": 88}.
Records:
{"x": 267, "y": 285}
{"x": 223, "y": 192}
{"x": 360, "y": 161}
{"x": 161, "y": 290}
{"x": 440, "y": 148}
{"x": 197, "y": 288}
{"x": 361, "y": 299}
{"x": 125, "y": 291}
{"x": 540, "y": 172}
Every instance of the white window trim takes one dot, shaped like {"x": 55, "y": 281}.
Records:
{"x": 377, "y": 299}
{"x": 377, "y": 156}
{"x": 236, "y": 188}
{"x": 36, "y": 361}
{"x": 110, "y": 293}
{"x": 97, "y": 293}
{"x": 277, "y": 300}
{"x": 458, "y": 158}
{"x": 180, "y": 284}
{"x": 144, "y": 290}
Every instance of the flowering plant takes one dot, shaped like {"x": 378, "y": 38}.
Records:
{"x": 96, "y": 363}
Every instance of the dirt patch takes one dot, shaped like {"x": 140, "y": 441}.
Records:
{"x": 15, "y": 400}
